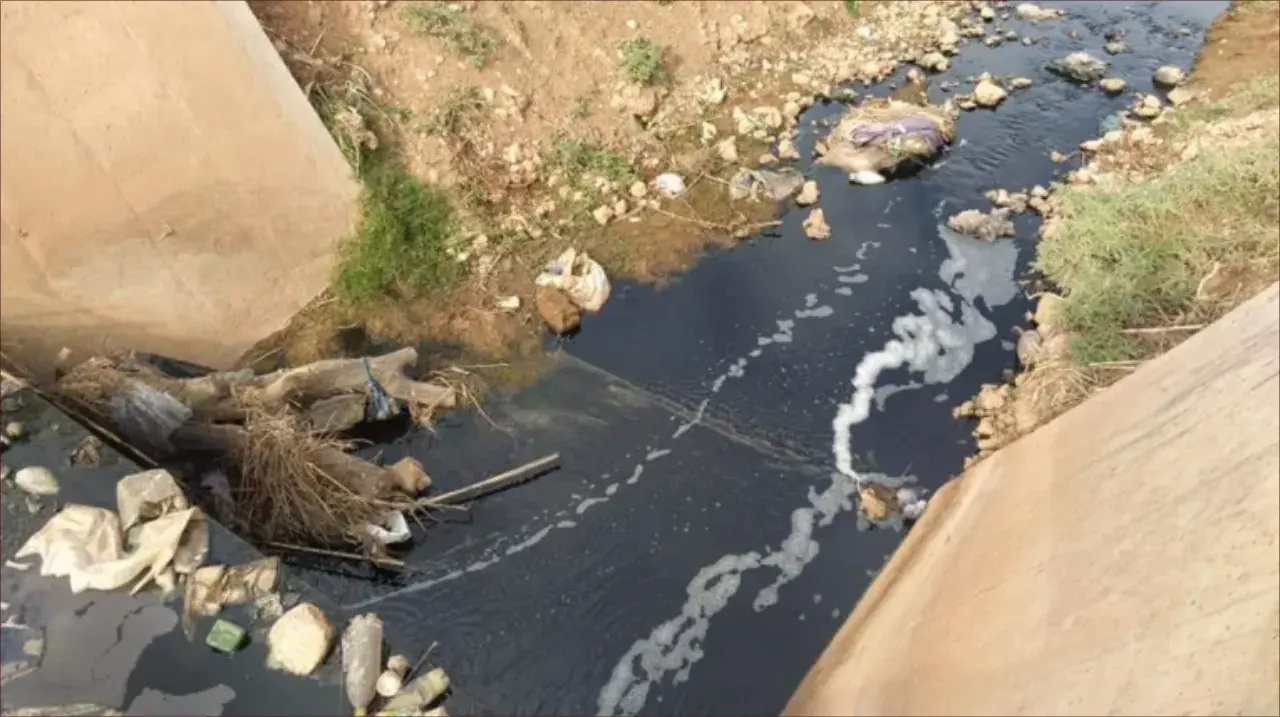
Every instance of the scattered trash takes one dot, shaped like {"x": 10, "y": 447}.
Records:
{"x": 419, "y": 693}
{"x": 911, "y": 504}
{"x": 1035, "y": 13}
{"x": 298, "y": 642}
{"x": 879, "y": 136}
{"x": 507, "y": 303}
{"x": 1079, "y": 67}
{"x": 85, "y": 544}
{"x": 148, "y": 495}
{"x": 877, "y": 502}
{"x": 81, "y": 709}
{"x": 394, "y": 528}
{"x": 987, "y": 227}
{"x": 816, "y": 227}
{"x": 579, "y": 276}
{"x": 1112, "y": 85}
{"x": 361, "y": 658}
{"x": 225, "y": 636}
{"x": 147, "y": 416}
{"x": 669, "y": 185}
{"x": 211, "y": 587}
{"x": 808, "y": 194}
{"x": 755, "y": 184}
{"x": 36, "y": 480}
{"x": 391, "y": 680}
{"x": 867, "y": 178}
{"x": 88, "y": 454}
{"x": 556, "y": 309}
{"x": 1169, "y": 76}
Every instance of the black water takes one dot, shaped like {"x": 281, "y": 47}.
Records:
{"x": 702, "y": 570}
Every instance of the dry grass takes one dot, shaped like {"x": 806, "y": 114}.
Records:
{"x": 283, "y": 495}
{"x": 1138, "y": 255}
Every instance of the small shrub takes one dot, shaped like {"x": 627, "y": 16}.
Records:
{"x": 576, "y": 158}
{"x": 853, "y": 7}
{"x": 400, "y": 245}
{"x": 451, "y": 23}
{"x": 641, "y": 60}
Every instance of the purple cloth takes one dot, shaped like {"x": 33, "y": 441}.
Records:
{"x": 918, "y": 125}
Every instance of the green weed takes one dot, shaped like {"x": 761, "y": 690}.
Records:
{"x": 853, "y": 7}
{"x": 450, "y": 23}
{"x": 641, "y": 60}
{"x": 400, "y": 245}
{"x": 576, "y": 158}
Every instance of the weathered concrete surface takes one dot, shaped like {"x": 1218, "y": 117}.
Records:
{"x": 1123, "y": 559}
{"x": 166, "y": 185}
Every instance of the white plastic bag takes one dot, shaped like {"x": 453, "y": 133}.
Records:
{"x": 579, "y": 276}
{"x": 394, "y": 528}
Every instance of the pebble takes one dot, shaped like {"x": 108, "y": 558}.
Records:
{"x": 1020, "y": 83}
{"x": 37, "y": 480}
{"x": 728, "y": 149}
{"x": 602, "y": 214}
{"x": 638, "y": 190}
{"x": 620, "y": 207}
{"x": 1113, "y": 85}
{"x": 15, "y": 430}
{"x": 767, "y": 159}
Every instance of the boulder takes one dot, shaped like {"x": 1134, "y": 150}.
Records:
{"x": 1079, "y": 67}
{"x": 989, "y": 94}
{"x": 1169, "y": 76}
{"x": 299, "y": 641}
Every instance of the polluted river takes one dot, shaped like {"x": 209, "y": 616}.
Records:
{"x": 699, "y": 544}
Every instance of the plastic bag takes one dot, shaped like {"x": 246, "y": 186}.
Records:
{"x": 579, "y": 276}
{"x": 394, "y": 528}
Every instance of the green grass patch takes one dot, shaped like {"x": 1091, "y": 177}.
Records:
{"x": 451, "y": 23}
{"x": 577, "y": 158}
{"x": 853, "y": 7}
{"x": 400, "y": 244}
{"x": 1133, "y": 256}
{"x": 641, "y": 60}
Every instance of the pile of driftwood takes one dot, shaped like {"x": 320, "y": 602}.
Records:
{"x": 277, "y": 439}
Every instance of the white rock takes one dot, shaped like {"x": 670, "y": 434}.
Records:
{"x": 708, "y": 132}
{"x": 787, "y": 149}
{"x": 1112, "y": 85}
{"x": 298, "y": 642}
{"x": 1020, "y": 83}
{"x": 808, "y": 194}
{"x": 986, "y": 13}
{"x": 728, "y": 149}
{"x": 935, "y": 62}
{"x": 866, "y": 177}
{"x": 669, "y": 184}
{"x": 638, "y": 190}
{"x": 620, "y": 208}
{"x": 1179, "y": 96}
{"x": 36, "y": 480}
{"x": 989, "y": 94}
{"x": 816, "y": 227}
{"x": 1035, "y": 13}
{"x": 1169, "y": 76}
{"x": 508, "y": 303}
{"x": 602, "y": 214}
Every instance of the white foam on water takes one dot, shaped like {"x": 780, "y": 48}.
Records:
{"x": 810, "y": 301}
{"x": 820, "y": 312}
{"x": 530, "y": 541}
{"x": 844, "y": 291}
{"x": 656, "y": 454}
{"x": 635, "y": 474}
{"x": 852, "y": 278}
{"x": 611, "y": 489}
{"x": 587, "y": 503}
{"x": 566, "y": 524}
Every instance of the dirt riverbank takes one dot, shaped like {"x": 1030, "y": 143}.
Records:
{"x": 545, "y": 125}
{"x": 1131, "y": 275}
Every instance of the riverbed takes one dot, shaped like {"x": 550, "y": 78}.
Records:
{"x": 700, "y": 544}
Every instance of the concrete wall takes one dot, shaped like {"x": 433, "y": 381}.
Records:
{"x": 1123, "y": 559}
{"x": 164, "y": 183}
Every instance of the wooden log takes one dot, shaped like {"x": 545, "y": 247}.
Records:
{"x": 360, "y": 476}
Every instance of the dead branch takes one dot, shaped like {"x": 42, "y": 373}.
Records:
{"x": 488, "y": 485}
